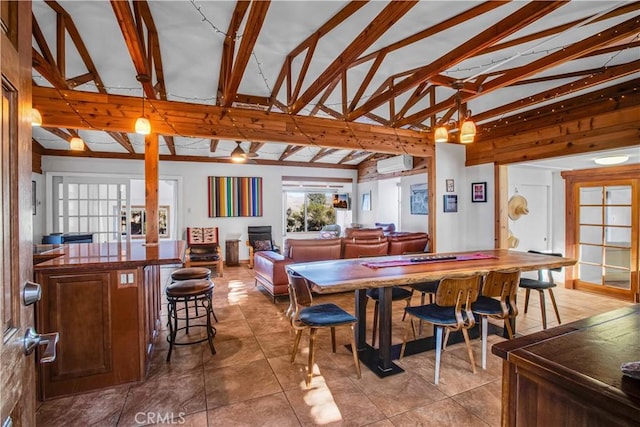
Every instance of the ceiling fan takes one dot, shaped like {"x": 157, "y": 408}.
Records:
{"x": 238, "y": 155}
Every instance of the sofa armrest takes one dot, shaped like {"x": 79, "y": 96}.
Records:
{"x": 270, "y": 268}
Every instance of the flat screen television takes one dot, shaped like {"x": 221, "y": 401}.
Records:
{"x": 341, "y": 201}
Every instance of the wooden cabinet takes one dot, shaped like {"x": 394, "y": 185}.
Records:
{"x": 570, "y": 375}
{"x": 231, "y": 252}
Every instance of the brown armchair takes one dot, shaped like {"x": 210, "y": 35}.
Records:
{"x": 260, "y": 240}
{"x": 203, "y": 248}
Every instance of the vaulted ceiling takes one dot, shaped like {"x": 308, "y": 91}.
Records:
{"x": 335, "y": 82}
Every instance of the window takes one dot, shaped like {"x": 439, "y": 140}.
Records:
{"x": 89, "y": 207}
{"x": 308, "y": 210}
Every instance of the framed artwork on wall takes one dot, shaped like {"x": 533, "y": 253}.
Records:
{"x": 478, "y": 192}
{"x": 450, "y": 185}
{"x": 450, "y": 203}
{"x": 419, "y": 199}
{"x": 33, "y": 198}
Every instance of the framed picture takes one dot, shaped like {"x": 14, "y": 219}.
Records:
{"x": 366, "y": 201}
{"x": 419, "y": 199}
{"x": 478, "y": 192}
{"x": 450, "y": 186}
{"x": 450, "y": 203}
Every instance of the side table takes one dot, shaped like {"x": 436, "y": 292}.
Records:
{"x": 231, "y": 249}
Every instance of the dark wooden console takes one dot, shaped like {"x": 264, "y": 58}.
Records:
{"x": 104, "y": 300}
{"x": 570, "y": 375}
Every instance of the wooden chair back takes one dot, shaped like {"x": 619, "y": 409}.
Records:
{"x": 299, "y": 295}
{"x": 460, "y": 293}
{"x": 503, "y": 285}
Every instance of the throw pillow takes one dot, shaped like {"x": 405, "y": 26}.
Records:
{"x": 328, "y": 234}
{"x": 262, "y": 245}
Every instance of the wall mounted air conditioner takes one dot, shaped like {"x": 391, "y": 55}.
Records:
{"x": 400, "y": 163}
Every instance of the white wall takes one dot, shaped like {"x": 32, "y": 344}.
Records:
{"x": 192, "y": 191}
{"x": 387, "y": 201}
{"x": 451, "y": 227}
{"x": 409, "y": 222}
{"x": 480, "y": 216}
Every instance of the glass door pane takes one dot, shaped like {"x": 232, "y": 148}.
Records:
{"x": 604, "y": 236}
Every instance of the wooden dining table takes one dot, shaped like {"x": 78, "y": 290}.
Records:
{"x": 360, "y": 274}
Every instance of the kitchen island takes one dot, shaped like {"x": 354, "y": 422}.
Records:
{"x": 105, "y": 300}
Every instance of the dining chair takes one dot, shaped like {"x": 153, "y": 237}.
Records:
{"x": 542, "y": 285}
{"x": 502, "y": 285}
{"x": 451, "y": 311}
{"x": 304, "y": 315}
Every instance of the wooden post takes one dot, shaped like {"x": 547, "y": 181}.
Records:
{"x": 431, "y": 190}
{"x": 501, "y": 182}
{"x": 151, "y": 180}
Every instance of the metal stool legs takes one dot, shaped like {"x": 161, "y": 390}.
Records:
{"x": 205, "y": 301}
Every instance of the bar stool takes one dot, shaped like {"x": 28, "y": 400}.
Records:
{"x": 200, "y": 291}
{"x": 188, "y": 274}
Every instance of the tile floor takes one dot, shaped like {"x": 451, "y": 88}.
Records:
{"x": 250, "y": 382}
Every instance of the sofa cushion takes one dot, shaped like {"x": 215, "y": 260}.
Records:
{"x": 363, "y": 233}
{"x": 307, "y": 250}
{"x": 400, "y": 243}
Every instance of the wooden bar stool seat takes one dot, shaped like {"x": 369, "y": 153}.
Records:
{"x": 201, "y": 292}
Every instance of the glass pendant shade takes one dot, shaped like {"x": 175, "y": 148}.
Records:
{"x": 36, "y": 117}
{"x": 441, "y": 134}
{"x": 467, "y": 132}
{"x": 143, "y": 127}
{"x": 76, "y": 144}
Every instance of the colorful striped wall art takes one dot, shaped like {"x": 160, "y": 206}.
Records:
{"x": 235, "y": 196}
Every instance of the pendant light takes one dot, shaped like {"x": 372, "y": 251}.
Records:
{"x": 466, "y": 127}
{"x": 76, "y": 144}
{"x": 143, "y": 126}
{"x": 36, "y": 118}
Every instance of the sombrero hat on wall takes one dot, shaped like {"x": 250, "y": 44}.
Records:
{"x": 517, "y": 207}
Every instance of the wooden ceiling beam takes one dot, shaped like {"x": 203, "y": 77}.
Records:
{"x": 255, "y": 147}
{"x": 334, "y": 21}
{"x": 122, "y": 139}
{"x": 323, "y": 152}
{"x": 229, "y": 47}
{"x": 623, "y": 95}
{"x": 66, "y": 135}
{"x": 352, "y": 156}
{"x": 380, "y": 24}
{"x": 48, "y": 70}
{"x": 607, "y": 130}
{"x": 576, "y": 50}
{"x": 213, "y": 145}
{"x": 630, "y": 7}
{"x": 118, "y": 113}
{"x": 607, "y": 75}
{"x": 290, "y": 151}
{"x": 134, "y": 42}
{"x": 171, "y": 145}
{"x": 523, "y": 17}
{"x": 41, "y": 41}
{"x": 257, "y": 13}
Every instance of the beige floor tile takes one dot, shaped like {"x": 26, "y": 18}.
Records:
{"x": 233, "y": 352}
{"x": 171, "y": 397}
{"x": 483, "y": 402}
{"x": 237, "y": 383}
{"x": 272, "y": 410}
{"x": 446, "y": 412}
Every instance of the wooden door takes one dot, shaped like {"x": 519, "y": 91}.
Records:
{"x": 17, "y": 372}
{"x": 603, "y": 230}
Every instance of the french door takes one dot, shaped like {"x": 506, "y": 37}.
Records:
{"x": 604, "y": 235}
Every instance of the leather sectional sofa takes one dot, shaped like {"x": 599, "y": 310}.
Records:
{"x": 270, "y": 267}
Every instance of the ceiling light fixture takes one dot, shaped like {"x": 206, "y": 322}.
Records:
{"x": 143, "y": 126}
{"x": 76, "y": 144}
{"x": 36, "y": 118}
{"x": 611, "y": 160}
{"x": 467, "y": 128}
{"x": 238, "y": 155}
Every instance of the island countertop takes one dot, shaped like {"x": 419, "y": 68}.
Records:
{"x": 129, "y": 254}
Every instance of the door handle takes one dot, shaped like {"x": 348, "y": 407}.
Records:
{"x": 31, "y": 293}
{"x": 32, "y": 339}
